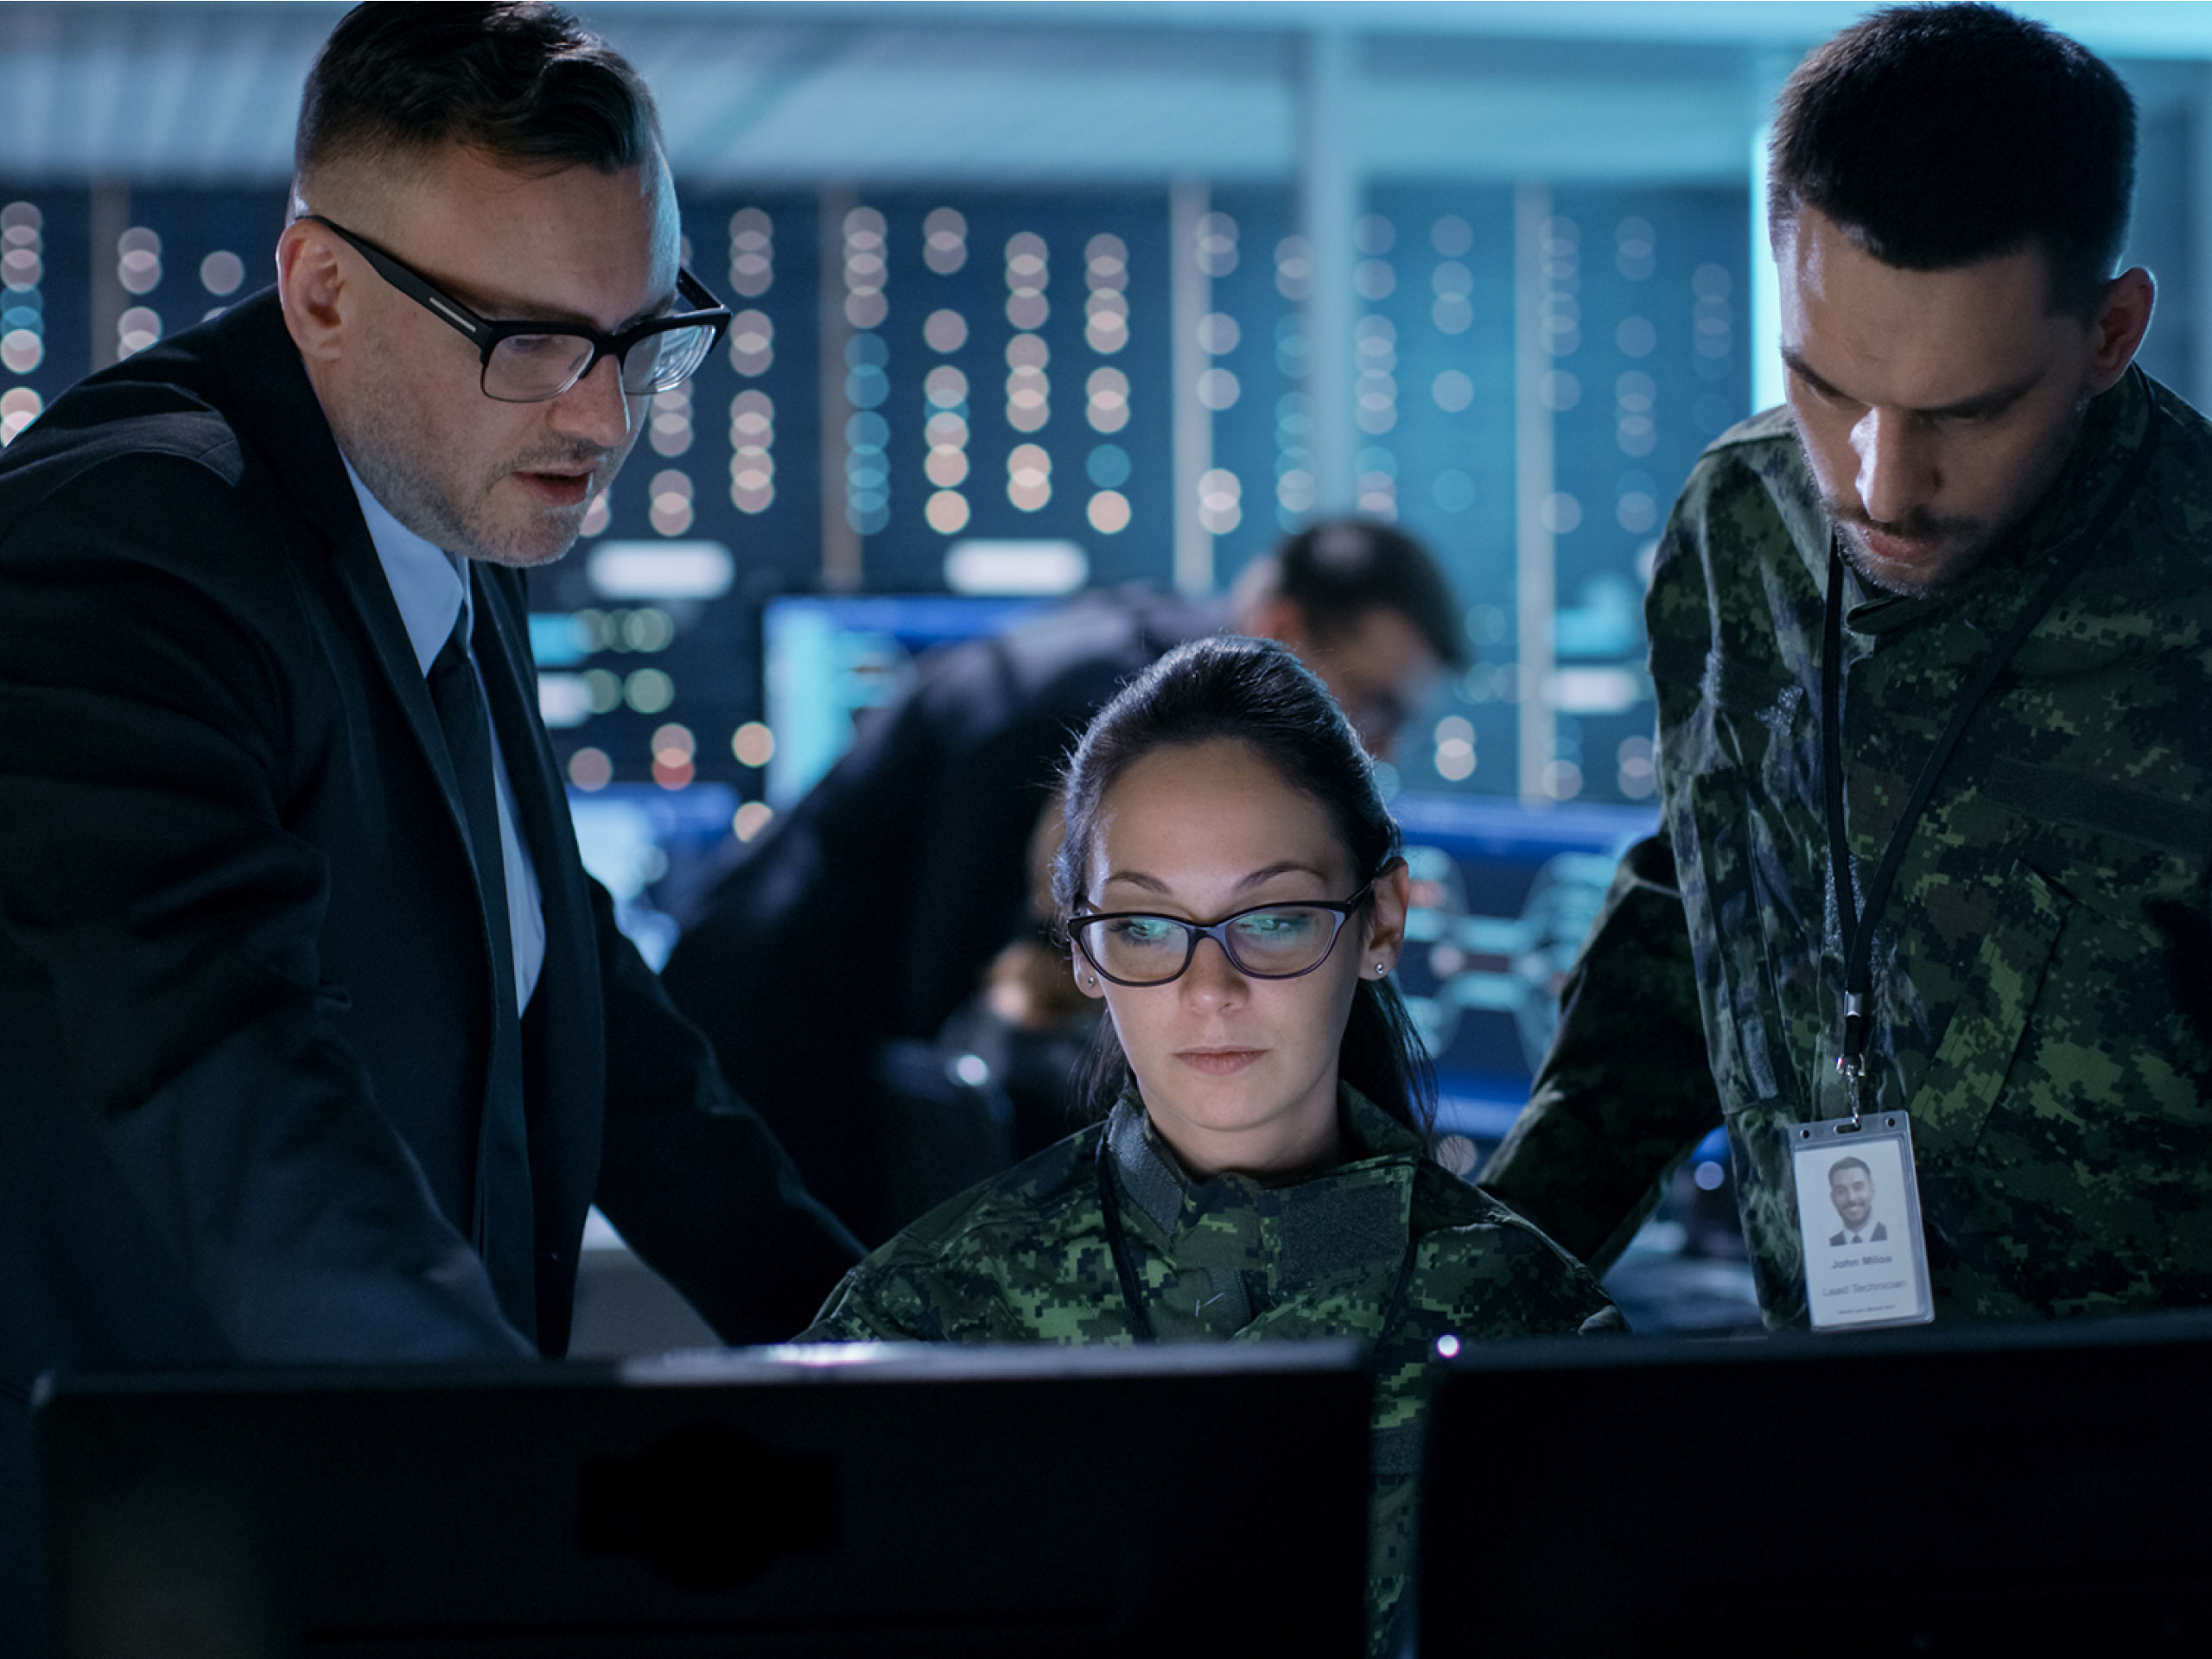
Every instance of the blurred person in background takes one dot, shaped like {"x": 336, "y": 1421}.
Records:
{"x": 872, "y": 911}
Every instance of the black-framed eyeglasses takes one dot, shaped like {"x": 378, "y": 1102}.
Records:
{"x": 1133, "y": 947}
{"x": 532, "y": 362}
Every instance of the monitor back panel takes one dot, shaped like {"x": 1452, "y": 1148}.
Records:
{"x": 1103, "y": 1501}
{"x": 1970, "y": 1491}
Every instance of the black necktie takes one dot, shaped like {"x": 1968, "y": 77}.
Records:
{"x": 504, "y": 1231}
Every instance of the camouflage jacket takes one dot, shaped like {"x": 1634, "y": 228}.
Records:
{"x": 1025, "y": 1258}
{"x": 2043, "y": 982}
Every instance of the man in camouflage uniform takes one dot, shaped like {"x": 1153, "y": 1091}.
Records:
{"x": 1387, "y": 1246}
{"x": 1949, "y": 192}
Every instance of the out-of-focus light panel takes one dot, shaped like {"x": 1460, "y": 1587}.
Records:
{"x": 1003, "y": 377}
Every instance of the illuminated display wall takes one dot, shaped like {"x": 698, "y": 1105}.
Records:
{"x": 911, "y": 372}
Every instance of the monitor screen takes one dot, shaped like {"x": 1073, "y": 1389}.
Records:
{"x": 1971, "y": 1488}
{"x": 908, "y": 1500}
{"x": 827, "y": 660}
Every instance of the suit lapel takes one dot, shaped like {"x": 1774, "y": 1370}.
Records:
{"x": 286, "y": 422}
{"x": 257, "y": 372}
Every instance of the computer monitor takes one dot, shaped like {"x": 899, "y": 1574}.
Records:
{"x": 830, "y": 658}
{"x": 1997, "y": 1490}
{"x": 1206, "y": 1499}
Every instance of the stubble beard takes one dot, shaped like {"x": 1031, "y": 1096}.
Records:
{"x": 1975, "y": 542}
{"x": 385, "y": 440}
{"x": 1977, "y": 538}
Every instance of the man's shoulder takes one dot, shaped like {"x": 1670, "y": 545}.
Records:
{"x": 1768, "y": 426}
{"x": 1072, "y": 656}
{"x": 169, "y": 403}
{"x": 1016, "y": 699}
{"x": 105, "y": 423}
{"x": 2168, "y": 534}
{"x": 1757, "y": 466}
{"x": 1746, "y": 530}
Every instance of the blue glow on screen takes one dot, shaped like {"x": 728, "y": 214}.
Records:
{"x": 830, "y": 660}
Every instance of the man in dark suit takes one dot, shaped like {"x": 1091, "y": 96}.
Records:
{"x": 1851, "y": 1189}
{"x": 315, "y": 1042}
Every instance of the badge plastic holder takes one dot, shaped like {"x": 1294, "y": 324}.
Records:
{"x": 1855, "y": 1179}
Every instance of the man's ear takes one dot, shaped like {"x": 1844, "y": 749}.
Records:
{"x": 1284, "y": 620}
{"x": 2122, "y": 320}
{"x": 312, "y": 285}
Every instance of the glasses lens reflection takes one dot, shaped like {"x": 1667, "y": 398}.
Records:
{"x": 530, "y": 368}
{"x": 660, "y": 361}
{"x": 1284, "y": 940}
{"x": 524, "y": 368}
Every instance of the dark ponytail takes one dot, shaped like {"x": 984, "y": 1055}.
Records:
{"x": 1256, "y": 693}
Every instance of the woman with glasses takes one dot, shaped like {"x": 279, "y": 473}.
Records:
{"x": 1230, "y": 885}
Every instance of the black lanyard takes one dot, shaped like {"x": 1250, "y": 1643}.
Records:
{"x": 1125, "y": 1267}
{"x": 1857, "y": 924}
{"x": 1109, "y": 1208}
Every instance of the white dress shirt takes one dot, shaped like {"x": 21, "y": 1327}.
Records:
{"x": 431, "y": 589}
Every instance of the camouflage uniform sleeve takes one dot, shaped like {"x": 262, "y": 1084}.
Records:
{"x": 900, "y": 1292}
{"x": 1626, "y": 1090}
{"x": 856, "y": 1312}
{"x": 1484, "y": 1272}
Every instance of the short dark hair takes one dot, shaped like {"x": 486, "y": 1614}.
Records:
{"x": 1942, "y": 136}
{"x": 525, "y": 84}
{"x": 1842, "y": 1164}
{"x": 1254, "y": 692}
{"x": 1341, "y": 568}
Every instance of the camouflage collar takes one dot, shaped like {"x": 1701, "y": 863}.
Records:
{"x": 1357, "y": 1210}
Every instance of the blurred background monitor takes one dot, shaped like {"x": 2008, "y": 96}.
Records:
{"x": 2001, "y": 1490}
{"x": 1208, "y": 1500}
{"x": 827, "y": 660}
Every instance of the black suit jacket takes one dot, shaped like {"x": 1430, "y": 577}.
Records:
{"x": 246, "y": 981}
{"x": 1879, "y": 1235}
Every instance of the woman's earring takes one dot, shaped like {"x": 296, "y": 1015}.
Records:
{"x": 1381, "y": 970}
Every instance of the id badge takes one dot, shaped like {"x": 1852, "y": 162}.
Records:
{"x": 1858, "y": 1220}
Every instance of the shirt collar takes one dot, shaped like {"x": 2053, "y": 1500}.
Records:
{"x": 427, "y": 583}
{"x": 1156, "y": 1182}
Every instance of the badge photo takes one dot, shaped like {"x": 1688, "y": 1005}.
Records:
{"x": 1858, "y": 1220}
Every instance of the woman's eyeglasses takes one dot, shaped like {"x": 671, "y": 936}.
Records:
{"x": 1267, "y": 942}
